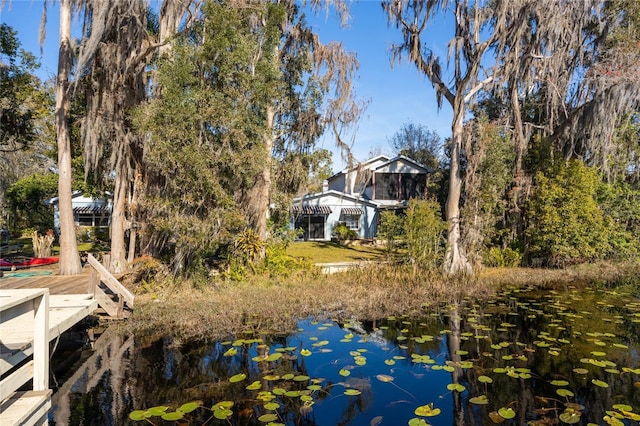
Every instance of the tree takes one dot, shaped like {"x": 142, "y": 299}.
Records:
{"x": 257, "y": 84}
{"x": 116, "y": 63}
{"x": 310, "y": 92}
{"x": 26, "y": 199}
{"x": 477, "y": 28}
{"x": 18, "y": 91}
{"x": 204, "y": 135}
{"x": 553, "y": 55}
{"x": 69, "y": 255}
{"x": 419, "y": 143}
{"x": 26, "y": 106}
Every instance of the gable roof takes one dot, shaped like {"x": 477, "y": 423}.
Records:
{"x": 334, "y": 193}
{"x": 362, "y": 164}
{"x": 412, "y": 162}
{"x": 385, "y": 162}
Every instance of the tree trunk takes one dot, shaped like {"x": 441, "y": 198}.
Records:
{"x": 119, "y": 223}
{"x": 264, "y": 180}
{"x": 455, "y": 258}
{"x": 453, "y": 346}
{"x": 69, "y": 256}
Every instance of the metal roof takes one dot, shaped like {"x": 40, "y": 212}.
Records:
{"x": 92, "y": 209}
{"x": 319, "y": 210}
{"x": 352, "y": 210}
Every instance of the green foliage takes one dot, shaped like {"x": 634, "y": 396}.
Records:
{"x": 19, "y": 93}
{"x": 391, "y": 228}
{"x": 247, "y": 246}
{"x": 620, "y": 204}
{"x": 424, "y": 232}
{"x": 26, "y": 200}
{"x": 507, "y": 257}
{"x": 343, "y": 233}
{"x": 566, "y": 225}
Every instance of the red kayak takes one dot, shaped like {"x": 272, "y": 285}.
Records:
{"x": 26, "y": 262}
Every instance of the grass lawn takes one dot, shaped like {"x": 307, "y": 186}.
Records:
{"x": 330, "y": 252}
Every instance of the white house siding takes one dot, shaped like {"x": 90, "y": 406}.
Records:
{"x": 337, "y": 183}
{"x": 336, "y": 201}
{"x": 82, "y": 205}
{"x": 401, "y": 165}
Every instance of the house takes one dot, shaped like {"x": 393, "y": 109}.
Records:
{"x": 87, "y": 211}
{"x": 357, "y": 195}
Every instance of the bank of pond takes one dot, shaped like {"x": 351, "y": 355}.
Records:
{"x": 527, "y": 356}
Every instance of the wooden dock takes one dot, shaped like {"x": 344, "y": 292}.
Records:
{"x": 34, "y": 311}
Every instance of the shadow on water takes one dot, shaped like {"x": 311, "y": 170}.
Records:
{"x": 527, "y": 356}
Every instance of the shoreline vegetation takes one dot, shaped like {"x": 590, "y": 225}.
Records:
{"x": 260, "y": 305}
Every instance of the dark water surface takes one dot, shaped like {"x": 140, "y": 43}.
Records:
{"x": 526, "y": 357}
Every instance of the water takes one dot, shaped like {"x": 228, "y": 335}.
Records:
{"x": 540, "y": 357}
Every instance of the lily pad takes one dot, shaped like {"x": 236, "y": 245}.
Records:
{"x": 223, "y": 404}
{"x": 427, "y": 411}
{"x": 189, "y": 406}
{"x": 157, "y": 411}
{"x": 237, "y": 378}
{"x": 352, "y": 392}
{"x": 138, "y": 415}
{"x": 565, "y": 392}
{"x": 173, "y": 416}
{"x": 572, "y": 417}
{"x": 254, "y": 386}
{"x": 599, "y": 383}
{"x": 507, "y": 413}
{"x": 485, "y": 379}
{"x": 479, "y": 400}
{"x": 269, "y": 417}
{"x": 457, "y": 387}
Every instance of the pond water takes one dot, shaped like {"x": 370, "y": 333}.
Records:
{"x": 525, "y": 357}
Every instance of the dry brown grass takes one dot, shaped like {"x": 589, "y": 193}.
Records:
{"x": 233, "y": 309}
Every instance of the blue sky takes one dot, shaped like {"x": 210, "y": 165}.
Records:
{"x": 395, "y": 96}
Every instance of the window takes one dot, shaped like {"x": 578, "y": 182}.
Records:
{"x": 395, "y": 186}
{"x": 351, "y": 220}
{"x": 387, "y": 186}
{"x": 92, "y": 216}
{"x": 312, "y": 226}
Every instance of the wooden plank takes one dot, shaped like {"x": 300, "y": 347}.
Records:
{"x": 10, "y": 384}
{"x": 64, "y": 312}
{"x": 26, "y": 409}
{"x": 41, "y": 343}
{"x": 106, "y": 303}
{"x": 110, "y": 281}
{"x": 11, "y": 298}
{"x": 63, "y": 318}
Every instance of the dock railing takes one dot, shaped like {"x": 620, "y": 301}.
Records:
{"x": 24, "y": 321}
{"x": 100, "y": 275}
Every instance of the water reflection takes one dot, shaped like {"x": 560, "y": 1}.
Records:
{"x": 544, "y": 358}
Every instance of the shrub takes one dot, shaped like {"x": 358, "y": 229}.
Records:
{"x": 343, "y": 233}
{"x": 390, "y": 228}
{"x": 566, "y": 225}
{"x": 424, "y": 233}
{"x": 503, "y": 258}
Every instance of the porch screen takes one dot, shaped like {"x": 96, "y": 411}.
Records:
{"x": 396, "y": 186}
